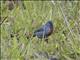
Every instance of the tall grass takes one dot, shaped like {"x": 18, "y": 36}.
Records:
{"x": 64, "y": 41}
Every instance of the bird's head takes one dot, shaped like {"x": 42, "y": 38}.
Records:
{"x": 50, "y": 24}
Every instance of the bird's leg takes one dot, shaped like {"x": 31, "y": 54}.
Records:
{"x": 46, "y": 40}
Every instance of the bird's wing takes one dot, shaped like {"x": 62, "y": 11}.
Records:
{"x": 38, "y": 32}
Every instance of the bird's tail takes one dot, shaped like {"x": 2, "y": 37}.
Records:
{"x": 34, "y": 34}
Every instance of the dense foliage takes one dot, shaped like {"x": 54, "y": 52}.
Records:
{"x": 19, "y": 19}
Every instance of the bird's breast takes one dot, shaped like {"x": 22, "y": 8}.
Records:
{"x": 50, "y": 30}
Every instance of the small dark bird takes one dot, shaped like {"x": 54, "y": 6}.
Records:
{"x": 45, "y": 31}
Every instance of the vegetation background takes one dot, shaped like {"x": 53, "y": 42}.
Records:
{"x": 19, "y": 19}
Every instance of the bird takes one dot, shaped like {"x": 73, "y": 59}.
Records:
{"x": 44, "y": 31}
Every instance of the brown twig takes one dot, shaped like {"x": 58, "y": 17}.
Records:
{"x": 3, "y": 20}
